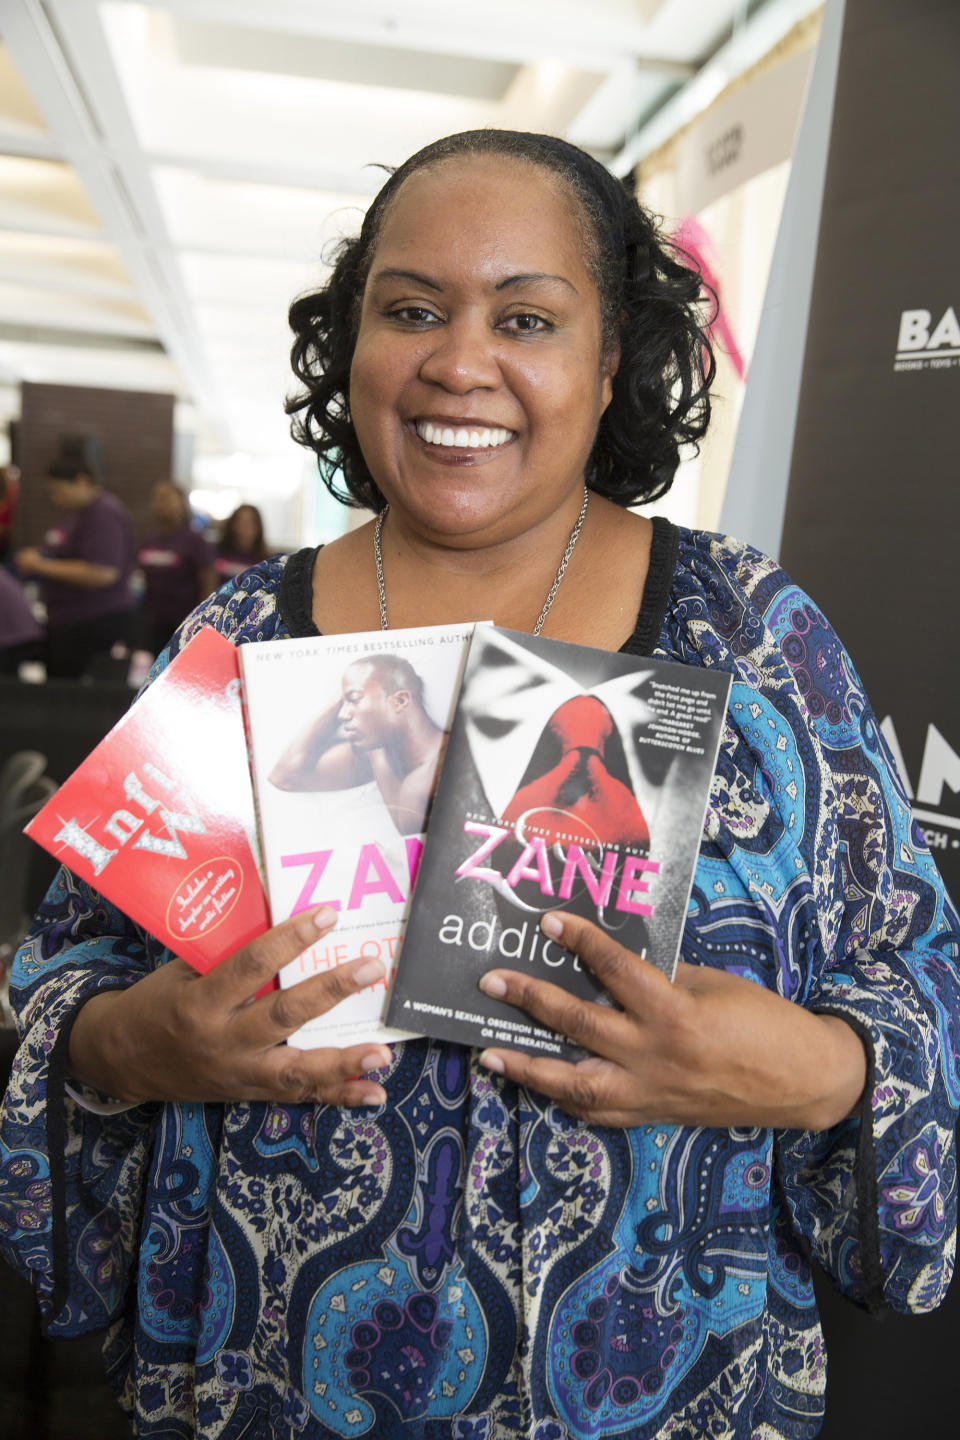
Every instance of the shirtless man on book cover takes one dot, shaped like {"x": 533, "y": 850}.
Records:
{"x": 377, "y": 730}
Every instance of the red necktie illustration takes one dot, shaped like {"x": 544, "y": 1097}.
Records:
{"x": 578, "y": 799}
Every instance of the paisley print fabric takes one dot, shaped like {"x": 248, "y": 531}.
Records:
{"x": 469, "y": 1262}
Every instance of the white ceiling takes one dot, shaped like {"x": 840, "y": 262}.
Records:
{"x": 172, "y": 171}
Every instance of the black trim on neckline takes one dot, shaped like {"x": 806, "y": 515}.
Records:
{"x": 295, "y": 598}
{"x": 664, "y": 549}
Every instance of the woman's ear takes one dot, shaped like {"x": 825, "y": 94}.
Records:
{"x": 609, "y": 368}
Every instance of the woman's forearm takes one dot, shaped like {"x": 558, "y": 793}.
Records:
{"x": 95, "y": 1055}
{"x": 82, "y": 573}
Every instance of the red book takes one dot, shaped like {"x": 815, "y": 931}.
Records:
{"x": 160, "y": 817}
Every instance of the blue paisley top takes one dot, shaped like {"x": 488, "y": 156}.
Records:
{"x": 469, "y": 1262}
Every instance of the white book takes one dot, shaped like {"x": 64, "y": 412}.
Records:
{"x": 347, "y": 734}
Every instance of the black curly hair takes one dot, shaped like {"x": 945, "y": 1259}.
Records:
{"x": 652, "y": 302}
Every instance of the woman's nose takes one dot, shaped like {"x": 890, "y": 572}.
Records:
{"x": 462, "y": 357}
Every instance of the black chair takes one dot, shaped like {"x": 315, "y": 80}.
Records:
{"x": 19, "y": 773}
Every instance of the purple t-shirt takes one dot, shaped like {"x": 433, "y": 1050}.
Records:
{"x": 171, "y": 563}
{"x": 16, "y": 618}
{"x": 228, "y": 564}
{"x": 101, "y": 534}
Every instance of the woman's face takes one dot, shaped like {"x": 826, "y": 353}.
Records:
{"x": 246, "y": 531}
{"x": 479, "y": 377}
{"x": 167, "y": 504}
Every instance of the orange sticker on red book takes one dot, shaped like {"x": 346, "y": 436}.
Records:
{"x": 205, "y": 898}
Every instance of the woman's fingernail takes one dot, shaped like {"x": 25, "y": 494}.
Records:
{"x": 552, "y": 925}
{"x": 368, "y": 974}
{"x": 493, "y": 985}
{"x": 373, "y": 1097}
{"x": 492, "y": 1062}
{"x": 374, "y": 1061}
{"x": 325, "y": 917}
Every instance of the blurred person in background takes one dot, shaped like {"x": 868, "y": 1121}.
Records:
{"x": 20, "y": 633}
{"x": 177, "y": 563}
{"x": 241, "y": 544}
{"x": 84, "y": 565}
{"x": 9, "y": 490}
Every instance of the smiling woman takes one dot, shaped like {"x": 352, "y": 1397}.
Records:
{"x": 432, "y": 1243}
{"x": 503, "y": 336}
{"x": 498, "y": 287}
{"x": 650, "y": 312}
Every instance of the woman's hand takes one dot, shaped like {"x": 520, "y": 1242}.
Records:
{"x": 29, "y": 560}
{"x": 709, "y": 1049}
{"x": 178, "y": 1035}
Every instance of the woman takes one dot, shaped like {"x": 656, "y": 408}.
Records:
{"x": 84, "y": 565}
{"x": 501, "y": 1245}
{"x": 177, "y": 565}
{"x": 241, "y": 544}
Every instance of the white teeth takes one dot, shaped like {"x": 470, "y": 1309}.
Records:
{"x": 487, "y": 437}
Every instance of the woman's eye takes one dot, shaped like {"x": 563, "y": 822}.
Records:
{"x": 526, "y": 323}
{"x": 414, "y": 315}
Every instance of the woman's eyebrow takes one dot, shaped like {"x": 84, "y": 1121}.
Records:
{"x": 416, "y": 277}
{"x": 413, "y": 275}
{"x": 536, "y": 277}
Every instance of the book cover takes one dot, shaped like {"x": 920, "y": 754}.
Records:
{"x": 160, "y": 819}
{"x": 575, "y": 779}
{"x": 347, "y": 733}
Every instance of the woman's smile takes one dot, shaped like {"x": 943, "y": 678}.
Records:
{"x": 456, "y": 441}
{"x": 470, "y": 435}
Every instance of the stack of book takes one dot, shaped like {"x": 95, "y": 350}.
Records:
{"x": 440, "y": 788}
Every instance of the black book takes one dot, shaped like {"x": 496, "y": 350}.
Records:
{"x": 574, "y": 779}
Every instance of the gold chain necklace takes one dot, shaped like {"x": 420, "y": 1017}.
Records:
{"x": 551, "y": 596}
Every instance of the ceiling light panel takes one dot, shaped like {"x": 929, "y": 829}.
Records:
{"x": 75, "y": 365}
{"x": 48, "y": 306}
{"x": 91, "y": 267}
{"x": 252, "y": 282}
{"x": 235, "y": 47}
{"x": 247, "y": 218}
{"x": 19, "y": 116}
{"x": 44, "y": 195}
{"x": 198, "y": 112}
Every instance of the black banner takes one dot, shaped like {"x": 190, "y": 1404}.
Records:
{"x": 872, "y": 525}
